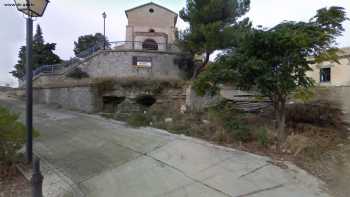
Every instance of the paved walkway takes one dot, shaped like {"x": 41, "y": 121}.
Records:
{"x": 86, "y": 155}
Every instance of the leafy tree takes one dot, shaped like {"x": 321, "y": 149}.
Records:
{"x": 275, "y": 61}
{"x": 89, "y": 41}
{"x": 209, "y": 21}
{"x": 42, "y": 55}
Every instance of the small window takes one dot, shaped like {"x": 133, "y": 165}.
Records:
{"x": 325, "y": 75}
{"x": 151, "y": 10}
{"x": 152, "y": 30}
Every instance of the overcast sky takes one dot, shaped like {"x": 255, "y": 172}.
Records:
{"x": 65, "y": 20}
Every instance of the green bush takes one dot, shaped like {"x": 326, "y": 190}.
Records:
{"x": 12, "y": 136}
{"x": 138, "y": 120}
{"x": 304, "y": 94}
{"x": 263, "y": 137}
{"x": 78, "y": 74}
{"x": 238, "y": 130}
{"x": 232, "y": 120}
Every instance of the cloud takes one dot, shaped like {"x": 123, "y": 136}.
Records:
{"x": 268, "y": 13}
{"x": 12, "y": 34}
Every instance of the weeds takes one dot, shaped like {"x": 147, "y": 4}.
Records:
{"x": 263, "y": 137}
{"x": 77, "y": 73}
{"x": 155, "y": 87}
{"x": 12, "y": 136}
{"x": 319, "y": 113}
{"x": 138, "y": 120}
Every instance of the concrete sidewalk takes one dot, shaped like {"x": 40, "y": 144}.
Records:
{"x": 86, "y": 155}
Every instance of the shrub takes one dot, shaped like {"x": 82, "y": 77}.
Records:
{"x": 12, "y": 136}
{"x": 304, "y": 94}
{"x": 77, "y": 73}
{"x": 238, "y": 130}
{"x": 320, "y": 113}
{"x": 155, "y": 87}
{"x": 263, "y": 137}
{"x": 232, "y": 120}
{"x": 138, "y": 120}
{"x": 223, "y": 112}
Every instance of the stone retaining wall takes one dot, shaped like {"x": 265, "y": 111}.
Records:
{"x": 74, "y": 98}
{"x": 88, "y": 98}
{"x": 119, "y": 64}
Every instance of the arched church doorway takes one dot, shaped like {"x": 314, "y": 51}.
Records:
{"x": 150, "y": 44}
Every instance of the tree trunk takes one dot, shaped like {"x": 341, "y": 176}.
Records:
{"x": 281, "y": 120}
{"x": 198, "y": 68}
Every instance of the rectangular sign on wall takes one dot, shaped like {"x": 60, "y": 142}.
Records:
{"x": 142, "y": 62}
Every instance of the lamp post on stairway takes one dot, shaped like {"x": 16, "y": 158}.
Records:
{"x": 104, "y": 15}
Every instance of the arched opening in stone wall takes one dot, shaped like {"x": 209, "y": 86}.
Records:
{"x": 110, "y": 103}
{"x": 146, "y": 100}
{"x": 150, "y": 44}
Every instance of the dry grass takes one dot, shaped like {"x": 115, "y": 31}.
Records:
{"x": 311, "y": 134}
{"x": 317, "y": 113}
{"x": 221, "y": 124}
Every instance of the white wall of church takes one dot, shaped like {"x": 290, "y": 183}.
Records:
{"x": 142, "y": 20}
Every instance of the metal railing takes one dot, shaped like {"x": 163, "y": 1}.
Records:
{"x": 6, "y": 84}
{"x": 47, "y": 69}
{"x": 86, "y": 53}
{"x": 54, "y": 68}
{"x": 147, "y": 46}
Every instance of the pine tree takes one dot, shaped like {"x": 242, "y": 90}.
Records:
{"x": 209, "y": 21}
{"x": 38, "y": 37}
{"x": 42, "y": 55}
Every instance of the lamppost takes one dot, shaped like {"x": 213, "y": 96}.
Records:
{"x": 31, "y": 8}
{"x": 104, "y": 15}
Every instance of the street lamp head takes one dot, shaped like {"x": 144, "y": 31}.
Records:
{"x": 104, "y": 15}
{"x": 32, "y": 8}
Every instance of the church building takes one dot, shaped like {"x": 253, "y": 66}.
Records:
{"x": 151, "y": 27}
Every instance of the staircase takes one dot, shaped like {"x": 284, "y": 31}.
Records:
{"x": 61, "y": 68}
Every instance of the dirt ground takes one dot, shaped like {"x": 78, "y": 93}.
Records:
{"x": 334, "y": 168}
{"x": 15, "y": 186}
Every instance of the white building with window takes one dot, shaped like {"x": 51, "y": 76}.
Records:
{"x": 333, "y": 73}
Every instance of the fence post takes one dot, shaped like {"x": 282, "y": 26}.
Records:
{"x": 37, "y": 180}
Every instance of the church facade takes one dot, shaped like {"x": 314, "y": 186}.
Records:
{"x": 151, "y": 27}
